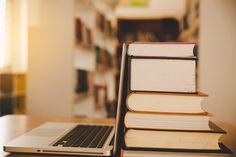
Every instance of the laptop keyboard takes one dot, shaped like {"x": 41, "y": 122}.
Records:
{"x": 86, "y": 136}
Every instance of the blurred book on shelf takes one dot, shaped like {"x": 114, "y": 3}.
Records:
{"x": 6, "y": 83}
{"x": 83, "y": 33}
{"x": 79, "y": 30}
{"x": 12, "y": 92}
{"x": 82, "y": 82}
{"x": 165, "y": 29}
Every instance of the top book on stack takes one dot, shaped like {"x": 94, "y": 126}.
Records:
{"x": 162, "y": 67}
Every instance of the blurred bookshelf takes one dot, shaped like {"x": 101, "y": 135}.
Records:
{"x": 104, "y": 26}
{"x": 94, "y": 64}
{"x": 12, "y": 93}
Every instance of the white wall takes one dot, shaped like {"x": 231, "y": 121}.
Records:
{"x": 218, "y": 63}
{"x": 50, "y": 67}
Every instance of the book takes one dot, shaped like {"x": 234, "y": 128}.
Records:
{"x": 165, "y": 102}
{"x": 204, "y": 140}
{"x": 20, "y": 82}
{"x": 222, "y": 152}
{"x": 141, "y": 120}
{"x": 79, "y": 30}
{"x": 153, "y": 71}
{"x": 82, "y": 84}
{"x": 6, "y": 82}
{"x": 163, "y": 49}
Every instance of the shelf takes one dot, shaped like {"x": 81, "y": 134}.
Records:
{"x": 106, "y": 80}
{"x": 104, "y": 9}
{"x": 85, "y": 59}
{"x": 14, "y": 72}
{"x": 14, "y": 94}
{"x": 84, "y": 49}
{"x": 87, "y": 18}
{"x": 105, "y": 42}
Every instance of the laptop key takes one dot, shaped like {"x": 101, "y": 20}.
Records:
{"x": 91, "y": 136}
{"x": 69, "y": 135}
{"x": 104, "y": 138}
{"x": 96, "y": 140}
{"x": 72, "y": 139}
{"x": 85, "y": 136}
{"x": 79, "y": 140}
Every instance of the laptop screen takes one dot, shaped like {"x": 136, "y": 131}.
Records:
{"x": 120, "y": 98}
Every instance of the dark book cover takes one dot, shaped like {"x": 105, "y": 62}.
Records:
{"x": 82, "y": 81}
{"x": 78, "y": 30}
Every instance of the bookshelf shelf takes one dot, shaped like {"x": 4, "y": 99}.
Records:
{"x": 94, "y": 55}
{"x": 85, "y": 60}
{"x": 105, "y": 42}
{"x": 14, "y": 94}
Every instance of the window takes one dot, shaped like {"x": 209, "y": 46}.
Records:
{"x": 2, "y": 33}
{"x": 13, "y": 35}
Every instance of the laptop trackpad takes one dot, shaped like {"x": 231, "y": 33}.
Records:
{"x": 42, "y": 132}
{"x": 50, "y": 129}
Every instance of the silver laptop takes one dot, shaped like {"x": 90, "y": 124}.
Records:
{"x": 72, "y": 138}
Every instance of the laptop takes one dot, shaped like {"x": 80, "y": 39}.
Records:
{"x": 73, "y": 138}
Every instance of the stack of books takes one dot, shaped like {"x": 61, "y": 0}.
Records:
{"x": 164, "y": 116}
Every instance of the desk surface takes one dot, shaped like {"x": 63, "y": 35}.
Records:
{"x": 12, "y": 126}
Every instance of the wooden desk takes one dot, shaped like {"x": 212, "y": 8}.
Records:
{"x": 12, "y": 126}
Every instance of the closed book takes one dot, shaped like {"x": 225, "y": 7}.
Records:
{"x": 151, "y": 70}
{"x": 141, "y": 120}
{"x": 169, "y": 139}
{"x": 139, "y": 152}
{"x": 165, "y": 102}
{"x": 162, "y": 49}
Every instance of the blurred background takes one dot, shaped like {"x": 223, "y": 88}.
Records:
{"x": 62, "y": 57}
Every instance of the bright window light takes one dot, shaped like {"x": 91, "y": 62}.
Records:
{"x": 2, "y": 32}
{"x": 23, "y": 36}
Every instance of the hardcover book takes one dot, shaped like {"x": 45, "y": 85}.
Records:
{"x": 142, "y": 120}
{"x": 152, "y": 70}
{"x": 204, "y": 140}
{"x": 157, "y": 102}
{"x": 163, "y": 49}
{"x": 139, "y": 152}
